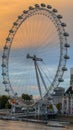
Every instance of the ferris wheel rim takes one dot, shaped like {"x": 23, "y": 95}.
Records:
{"x": 16, "y": 25}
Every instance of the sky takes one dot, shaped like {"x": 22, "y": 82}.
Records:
{"x": 10, "y": 10}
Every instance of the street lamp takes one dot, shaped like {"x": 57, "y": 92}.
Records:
{"x": 69, "y": 96}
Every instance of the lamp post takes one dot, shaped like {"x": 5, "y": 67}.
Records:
{"x": 69, "y": 96}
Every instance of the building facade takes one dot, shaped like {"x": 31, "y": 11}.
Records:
{"x": 67, "y": 101}
{"x": 58, "y": 95}
{"x": 71, "y": 77}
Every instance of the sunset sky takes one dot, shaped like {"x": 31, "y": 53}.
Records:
{"x": 9, "y": 10}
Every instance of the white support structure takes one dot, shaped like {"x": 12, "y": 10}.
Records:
{"x": 54, "y": 107}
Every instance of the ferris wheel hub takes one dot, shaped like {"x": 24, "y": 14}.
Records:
{"x": 34, "y": 57}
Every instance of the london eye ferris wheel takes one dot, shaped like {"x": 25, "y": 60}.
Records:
{"x": 35, "y": 52}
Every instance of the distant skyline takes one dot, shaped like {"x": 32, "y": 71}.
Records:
{"x": 10, "y": 10}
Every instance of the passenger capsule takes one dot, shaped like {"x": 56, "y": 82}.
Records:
{"x": 31, "y": 8}
{"x": 55, "y": 10}
{"x": 64, "y": 68}
{"x": 61, "y": 80}
{"x": 37, "y": 5}
{"x": 63, "y": 24}
{"x": 3, "y": 74}
{"x": 59, "y": 16}
{"x": 25, "y": 11}
{"x": 3, "y": 65}
{"x": 66, "y": 34}
{"x": 49, "y": 6}
{"x": 43, "y": 5}
{"x": 66, "y": 45}
{"x": 11, "y": 31}
{"x": 8, "y": 39}
{"x": 15, "y": 23}
{"x": 5, "y": 47}
{"x": 66, "y": 57}
{"x": 5, "y": 82}
{"x": 7, "y": 90}
{"x": 4, "y": 56}
{"x": 20, "y": 17}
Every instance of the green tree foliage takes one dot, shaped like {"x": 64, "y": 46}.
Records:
{"x": 26, "y": 97}
{"x": 7, "y": 105}
{"x": 50, "y": 107}
{"x": 59, "y": 106}
{"x": 3, "y": 102}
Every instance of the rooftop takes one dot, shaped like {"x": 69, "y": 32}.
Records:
{"x": 69, "y": 90}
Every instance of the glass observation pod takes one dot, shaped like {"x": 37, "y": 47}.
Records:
{"x": 15, "y": 23}
{"x": 55, "y": 10}
{"x": 25, "y": 11}
{"x": 61, "y": 80}
{"x": 49, "y": 6}
{"x": 3, "y": 74}
{"x": 7, "y": 90}
{"x": 4, "y": 56}
{"x": 37, "y": 5}
{"x": 5, "y": 82}
{"x": 66, "y": 57}
{"x": 43, "y": 5}
{"x": 3, "y": 65}
{"x": 20, "y": 17}
{"x": 11, "y": 31}
{"x": 8, "y": 39}
{"x": 31, "y": 8}
{"x": 66, "y": 34}
{"x": 67, "y": 45}
{"x": 59, "y": 16}
{"x": 5, "y": 47}
{"x": 64, "y": 68}
{"x": 63, "y": 24}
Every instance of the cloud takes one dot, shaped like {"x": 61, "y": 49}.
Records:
{"x": 33, "y": 88}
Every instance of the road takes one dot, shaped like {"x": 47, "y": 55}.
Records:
{"x": 19, "y": 125}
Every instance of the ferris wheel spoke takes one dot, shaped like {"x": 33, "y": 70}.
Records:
{"x": 42, "y": 79}
{"x": 51, "y": 39}
{"x": 43, "y": 69}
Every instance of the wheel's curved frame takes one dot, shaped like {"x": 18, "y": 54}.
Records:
{"x": 60, "y": 26}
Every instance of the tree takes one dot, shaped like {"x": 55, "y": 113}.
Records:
{"x": 59, "y": 107}
{"x": 4, "y": 102}
{"x": 7, "y": 105}
{"x": 26, "y": 97}
{"x": 50, "y": 107}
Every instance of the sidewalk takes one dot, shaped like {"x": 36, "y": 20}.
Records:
{"x": 64, "y": 119}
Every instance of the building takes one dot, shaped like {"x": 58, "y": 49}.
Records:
{"x": 58, "y": 95}
{"x": 67, "y": 101}
{"x": 71, "y": 77}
